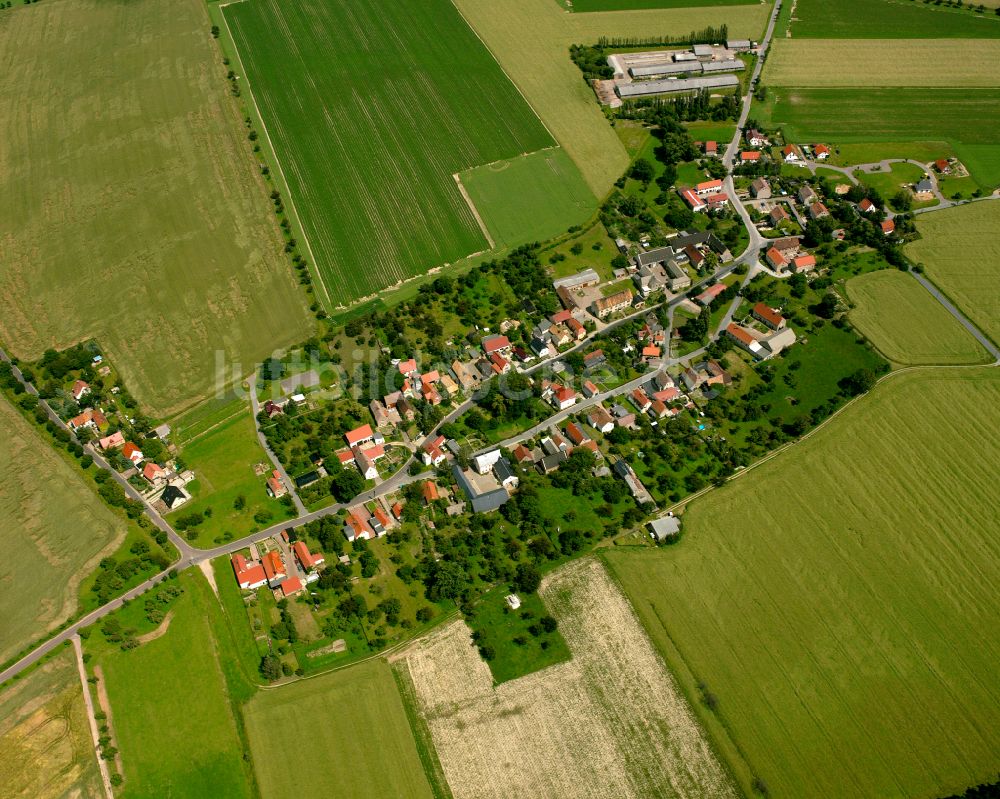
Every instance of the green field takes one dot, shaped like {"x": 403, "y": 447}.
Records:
{"x": 531, "y": 39}
{"x": 629, "y": 5}
{"x": 55, "y": 531}
{"x": 172, "y": 714}
{"x": 967, "y": 119}
{"x": 134, "y": 213}
{"x": 343, "y": 734}
{"x": 889, "y": 182}
{"x": 877, "y": 19}
{"x": 960, "y": 248}
{"x": 371, "y": 174}
{"x": 222, "y": 454}
{"x": 46, "y": 749}
{"x": 906, "y": 324}
{"x": 530, "y": 198}
{"x": 841, "y": 602}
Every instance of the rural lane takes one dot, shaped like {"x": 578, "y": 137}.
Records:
{"x": 254, "y": 410}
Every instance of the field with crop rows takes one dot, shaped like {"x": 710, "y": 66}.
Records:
{"x": 133, "y": 211}
{"x": 630, "y": 5}
{"x": 539, "y": 64}
{"x": 608, "y": 723}
{"x": 530, "y": 198}
{"x": 944, "y": 63}
{"x": 372, "y": 107}
{"x": 55, "y": 530}
{"x": 352, "y": 741}
{"x": 906, "y": 324}
{"x": 841, "y": 602}
{"x": 960, "y": 247}
{"x": 876, "y": 19}
{"x": 46, "y": 750}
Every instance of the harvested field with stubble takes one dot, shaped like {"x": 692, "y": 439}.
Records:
{"x": 611, "y": 722}
{"x": 133, "y": 211}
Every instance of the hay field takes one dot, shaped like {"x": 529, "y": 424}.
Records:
{"x": 343, "y": 734}
{"x": 172, "y": 713}
{"x": 531, "y": 39}
{"x": 960, "y": 248}
{"x": 609, "y": 723}
{"x": 906, "y": 324}
{"x": 944, "y": 63}
{"x": 530, "y": 198}
{"x": 875, "y": 19}
{"x": 132, "y": 208}
{"x": 843, "y": 601}
{"x": 417, "y": 99}
{"x": 54, "y": 530}
{"x": 46, "y": 750}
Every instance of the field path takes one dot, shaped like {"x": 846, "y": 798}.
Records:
{"x": 102, "y": 764}
{"x": 475, "y": 211}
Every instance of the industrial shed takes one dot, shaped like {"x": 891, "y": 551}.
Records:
{"x": 652, "y": 87}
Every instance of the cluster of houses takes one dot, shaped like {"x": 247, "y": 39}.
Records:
{"x": 365, "y": 447}
{"x": 488, "y": 483}
{"x": 705, "y": 196}
{"x": 370, "y": 523}
{"x": 768, "y": 336}
{"x": 663, "y": 269}
{"x": 272, "y": 570}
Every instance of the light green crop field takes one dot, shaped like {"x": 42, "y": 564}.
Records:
{"x": 46, "y": 750}
{"x": 841, "y": 603}
{"x": 876, "y": 19}
{"x": 54, "y": 531}
{"x": 531, "y": 39}
{"x": 964, "y": 120}
{"x": 418, "y": 99}
{"x": 133, "y": 211}
{"x": 344, "y": 734}
{"x": 906, "y": 324}
{"x": 172, "y": 717}
{"x": 530, "y": 198}
{"x": 924, "y": 63}
{"x": 960, "y": 247}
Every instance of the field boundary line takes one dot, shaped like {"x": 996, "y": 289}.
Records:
{"x": 88, "y": 702}
{"x": 274, "y": 151}
{"x": 475, "y": 211}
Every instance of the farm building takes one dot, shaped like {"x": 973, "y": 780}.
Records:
{"x": 588, "y": 277}
{"x": 732, "y": 65}
{"x": 653, "y": 87}
{"x": 662, "y": 529}
{"x": 665, "y": 68}
{"x": 483, "y": 491}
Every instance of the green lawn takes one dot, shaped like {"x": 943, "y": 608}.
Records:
{"x": 840, "y": 602}
{"x": 223, "y": 458}
{"x": 498, "y": 626}
{"x": 371, "y": 174}
{"x": 960, "y": 247}
{"x": 721, "y": 132}
{"x": 894, "y": 123}
{"x": 907, "y": 324}
{"x": 172, "y": 716}
{"x": 623, "y": 5}
{"x": 530, "y": 198}
{"x": 145, "y": 225}
{"x": 888, "y": 183}
{"x": 879, "y": 19}
{"x": 343, "y": 734}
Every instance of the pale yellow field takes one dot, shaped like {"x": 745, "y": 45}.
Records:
{"x": 611, "y": 722}
{"x": 960, "y": 247}
{"x": 907, "y": 324}
{"x": 531, "y": 39}
{"x": 133, "y": 211}
{"x": 811, "y": 63}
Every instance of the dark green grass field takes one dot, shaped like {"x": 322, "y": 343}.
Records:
{"x": 967, "y": 119}
{"x": 633, "y": 5}
{"x": 371, "y": 108}
{"x": 890, "y": 19}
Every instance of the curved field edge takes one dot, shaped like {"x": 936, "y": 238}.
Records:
{"x": 907, "y": 325}
{"x": 838, "y": 602}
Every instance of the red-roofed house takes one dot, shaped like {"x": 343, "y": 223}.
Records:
{"x": 154, "y": 473}
{"x": 695, "y": 257}
{"x": 589, "y": 389}
{"x": 888, "y": 227}
{"x": 383, "y": 518}
{"x": 112, "y": 441}
{"x": 274, "y": 568}
{"x": 768, "y": 316}
{"x": 247, "y": 577}
{"x": 709, "y": 294}
{"x": 307, "y": 560}
{"x": 577, "y": 328}
{"x": 563, "y": 397}
{"x": 500, "y": 344}
{"x": 817, "y": 211}
{"x": 667, "y": 395}
{"x": 408, "y": 367}
{"x": 942, "y": 166}
{"x": 433, "y": 451}
{"x": 359, "y": 435}
{"x": 803, "y": 263}
{"x": 356, "y": 525}
{"x": 85, "y": 419}
{"x": 430, "y": 491}
{"x": 711, "y": 148}
{"x": 707, "y": 187}
{"x": 640, "y": 400}
{"x": 650, "y": 353}
{"x": 522, "y": 454}
{"x": 714, "y": 200}
{"x": 80, "y": 390}
{"x": 747, "y": 342}
{"x": 346, "y": 457}
{"x": 576, "y": 434}
{"x": 133, "y": 453}
{"x": 658, "y": 409}
{"x": 692, "y": 199}
{"x": 749, "y": 157}
{"x": 867, "y": 206}
{"x": 291, "y": 586}
{"x": 397, "y": 510}
{"x": 821, "y": 152}
{"x": 499, "y": 364}
{"x": 776, "y": 259}
{"x": 791, "y": 153}
{"x": 275, "y": 487}
{"x": 561, "y": 317}
{"x": 365, "y": 463}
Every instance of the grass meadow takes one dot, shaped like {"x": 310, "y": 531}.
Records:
{"x": 530, "y": 198}
{"x": 171, "y": 705}
{"x": 840, "y": 603}
{"x": 960, "y": 249}
{"x": 417, "y": 99}
{"x": 874, "y": 19}
{"x": 55, "y": 531}
{"x": 46, "y": 750}
{"x": 134, "y": 213}
{"x": 540, "y": 67}
{"x": 924, "y": 63}
{"x": 902, "y": 122}
{"x": 631, "y": 5}
{"x": 906, "y": 324}
{"x": 342, "y": 734}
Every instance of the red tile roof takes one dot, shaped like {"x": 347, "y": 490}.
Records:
{"x": 766, "y": 313}
{"x": 775, "y": 258}
{"x": 888, "y": 226}
{"x": 152, "y": 471}
{"x": 564, "y": 394}
{"x": 405, "y": 367}
{"x": 430, "y": 491}
{"x": 804, "y": 261}
{"x": 358, "y": 434}
{"x": 708, "y": 185}
{"x": 521, "y": 453}
{"x": 667, "y": 394}
{"x": 651, "y": 352}
{"x": 750, "y": 155}
{"x": 821, "y": 149}
{"x": 273, "y": 567}
{"x": 495, "y": 343}
{"x": 291, "y": 586}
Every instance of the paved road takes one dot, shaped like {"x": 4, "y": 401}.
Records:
{"x": 255, "y": 409}
{"x": 991, "y": 348}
